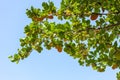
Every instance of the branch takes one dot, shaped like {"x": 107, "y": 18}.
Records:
{"x": 107, "y": 13}
{"x": 106, "y": 28}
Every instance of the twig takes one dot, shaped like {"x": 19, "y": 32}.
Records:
{"x": 106, "y": 28}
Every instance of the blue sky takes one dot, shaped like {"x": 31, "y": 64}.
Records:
{"x": 49, "y": 65}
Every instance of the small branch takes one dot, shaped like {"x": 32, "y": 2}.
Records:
{"x": 101, "y": 13}
{"x": 106, "y": 28}
{"x": 107, "y": 13}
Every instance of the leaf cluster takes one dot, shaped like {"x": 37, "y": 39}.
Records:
{"x": 90, "y": 32}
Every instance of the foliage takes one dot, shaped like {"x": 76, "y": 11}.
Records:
{"x": 90, "y": 32}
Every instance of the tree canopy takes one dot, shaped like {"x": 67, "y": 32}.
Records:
{"x": 90, "y": 32}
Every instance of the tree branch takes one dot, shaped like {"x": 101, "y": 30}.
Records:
{"x": 107, "y": 13}
{"x": 106, "y": 28}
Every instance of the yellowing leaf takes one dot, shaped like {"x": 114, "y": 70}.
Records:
{"x": 114, "y": 66}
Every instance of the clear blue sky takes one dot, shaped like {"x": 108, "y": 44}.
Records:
{"x": 49, "y": 65}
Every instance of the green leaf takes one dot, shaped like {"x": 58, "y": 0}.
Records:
{"x": 45, "y": 5}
